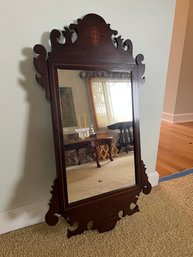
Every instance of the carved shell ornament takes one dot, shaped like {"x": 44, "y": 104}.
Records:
{"x": 95, "y": 36}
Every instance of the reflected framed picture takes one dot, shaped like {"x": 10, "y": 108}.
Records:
{"x": 67, "y": 107}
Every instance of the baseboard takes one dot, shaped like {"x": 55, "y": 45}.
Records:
{"x": 177, "y": 118}
{"x": 153, "y": 178}
{"x": 23, "y": 217}
{"x": 184, "y": 117}
{"x": 167, "y": 116}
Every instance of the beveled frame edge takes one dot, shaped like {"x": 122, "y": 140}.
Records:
{"x": 85, "y": 211}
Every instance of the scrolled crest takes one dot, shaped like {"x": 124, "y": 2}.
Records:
{"x": 141, "y": 67}
{"x": 97, "y": 33}
{"x": 40, "y": 63}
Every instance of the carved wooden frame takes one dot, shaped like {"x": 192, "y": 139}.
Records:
{"x": 96, "y": 47}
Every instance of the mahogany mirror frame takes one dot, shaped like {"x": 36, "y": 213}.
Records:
{"x": 96, "y": 47}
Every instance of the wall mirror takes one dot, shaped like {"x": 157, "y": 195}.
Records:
{"x": 92, "y": 80}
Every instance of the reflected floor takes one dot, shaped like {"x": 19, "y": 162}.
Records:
{"x": 87, "y": 180}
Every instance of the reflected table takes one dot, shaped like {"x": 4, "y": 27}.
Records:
{"x": 91, "y": 142}
{"x": 126, "y": 134}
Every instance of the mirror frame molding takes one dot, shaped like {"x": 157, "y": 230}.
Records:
{"x": 96, "y": 47}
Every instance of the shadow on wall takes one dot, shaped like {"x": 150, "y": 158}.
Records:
{"x": 38, "y": 160}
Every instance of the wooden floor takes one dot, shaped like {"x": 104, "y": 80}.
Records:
{"x": 175, "y": 152}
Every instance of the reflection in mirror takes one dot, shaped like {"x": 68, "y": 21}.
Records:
{"x": 97, "y": 119}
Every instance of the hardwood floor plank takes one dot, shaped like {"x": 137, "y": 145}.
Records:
{"x": 175, "y": 151}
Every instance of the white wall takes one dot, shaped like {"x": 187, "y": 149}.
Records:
{"x": 176, "y": 53}
{"x": 71, "y": 78}
{"x": 185, "y": 88}
{"x": 178, "y": 94}
{"x": 27, "y": 164}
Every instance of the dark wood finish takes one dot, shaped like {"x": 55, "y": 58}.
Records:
{"x": 96, "y": 48}
{"x": 88, "y": 143}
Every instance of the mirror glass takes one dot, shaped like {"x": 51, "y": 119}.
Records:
{"x": 97, "y": 119}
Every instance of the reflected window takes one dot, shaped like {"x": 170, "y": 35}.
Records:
{"x": 112, "y": 100}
